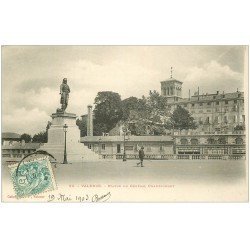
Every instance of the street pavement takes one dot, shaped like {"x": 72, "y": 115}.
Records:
{"x": 162, "y": 180}
{"x": 220, "y": 172}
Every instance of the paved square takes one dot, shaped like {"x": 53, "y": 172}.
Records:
{"x": 188, "y": 172}
{"x": 158, "y": 181}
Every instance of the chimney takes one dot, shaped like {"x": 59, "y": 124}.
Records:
{"x": 90, "y": 121}
{"x": 217, "y": 93}
{"x": 22, "y": 142}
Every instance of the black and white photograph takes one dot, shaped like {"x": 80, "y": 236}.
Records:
{"x": 124, "y": 123}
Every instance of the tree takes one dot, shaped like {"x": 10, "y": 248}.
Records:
{"x": 149, "y": 114}
{"x": 182, "y": 119}
{"x": 48, "y": 126}
{"x": 26, "y": 137}
{"x": 128, "y": 105}
{"x": 145, "y": 116}
{"x": 100, "y": 128}
{"x": 40, "y": 137}
{"x": 156, "y": 102}
{"x": 108, "y": 111}
{"x": 82, "y": 125}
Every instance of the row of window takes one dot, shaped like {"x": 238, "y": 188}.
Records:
{"x": 18, "y": 151}
{"x": 221, "y": 140}
{"x": 103, "y": 146}
{"x": 183, "y": 141}
{"x": 209, "y": 103}
{"x": 225, "y": 109}
{"x": 168, "y": 91}
{"x": 207, "y": 120}
{"x": 225, "y": 119}
{"x": 127, "y": 147}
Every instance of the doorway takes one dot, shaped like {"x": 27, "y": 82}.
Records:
{"x": 118, "y": 148}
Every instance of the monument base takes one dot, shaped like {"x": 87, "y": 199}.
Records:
{"x": 76, "y": 151}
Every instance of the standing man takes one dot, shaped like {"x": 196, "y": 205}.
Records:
{"x": 64, "y": 92}
{"x": 141, "y": 156}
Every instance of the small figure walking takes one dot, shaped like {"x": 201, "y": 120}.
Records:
{"x": 141, "y": 156}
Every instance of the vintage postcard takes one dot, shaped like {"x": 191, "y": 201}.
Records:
{"x": 124, "y": 124}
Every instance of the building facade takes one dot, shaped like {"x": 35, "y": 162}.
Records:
{"x": 18, "y": 150}
{"x": 219, "y": 113}
{"x": 112, "y": 147}
{"x": 179, "y": 147}
{"x": 210, "y": 147}
{"x": 172, "y": 89}
{"x": 9, "y": 138}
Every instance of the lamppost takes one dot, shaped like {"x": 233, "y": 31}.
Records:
{"x": 125, "y": 132}
{"x": 65, "y": 128}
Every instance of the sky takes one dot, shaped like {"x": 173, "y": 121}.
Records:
{"x": 31, "y": 76}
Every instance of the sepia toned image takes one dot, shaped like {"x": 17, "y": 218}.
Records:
{"x": 124, "y": 124}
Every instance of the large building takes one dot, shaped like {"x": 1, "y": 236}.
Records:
{"x": 179, "y": 147}
{"x": 213, "y": 113}
{"x": 112, "y": 147}
{"x": 14, "y": 149}
{"x": 220, "y": 134}
{"x": 9, "y": 138}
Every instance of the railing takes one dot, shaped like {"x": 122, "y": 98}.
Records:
{"x": 6, "y": 155}
{"x": 182, "y": 157}
{"x": 151, "y": 156}
{"x": 215, "y": 157}
{"x": 107, "y": 156}
{"x": 237, "y": 157}
{"x": 198, "y": 157}
{"x": 147, "y": 156}
{"x": 13, "y": 155}
{"x": 167, "y": 157}
{"x": 157, "y": 156}
{"x": 160, "y": 156}
{"x": 132, "y": 156}
{"x": 118, "y": 157}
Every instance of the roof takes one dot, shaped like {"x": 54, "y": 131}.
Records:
{"x": 171, "y": 80}
{"x": 10, "y": 135}
{"x": 209, "y": 135}
{"x": 132, "y": 138}
{"x": 29, "y": 145}
{"x": 213, "y": 97}
{"x": 115, "y": 130}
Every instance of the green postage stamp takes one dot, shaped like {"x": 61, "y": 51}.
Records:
{"x": 32, "y": 177}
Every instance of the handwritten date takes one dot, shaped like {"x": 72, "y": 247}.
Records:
{"x": 79, "y": 198}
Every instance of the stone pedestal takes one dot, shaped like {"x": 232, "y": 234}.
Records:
{"x": 56, "y": 133}
{"x": 76, "y": 151}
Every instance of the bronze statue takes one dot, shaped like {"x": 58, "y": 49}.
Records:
{"x": 64, "y": 92}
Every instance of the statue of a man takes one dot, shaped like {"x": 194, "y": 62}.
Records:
{"x": 64, "y": 92}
